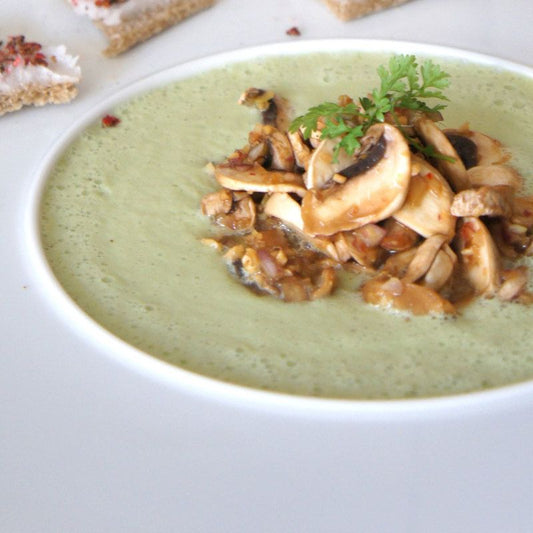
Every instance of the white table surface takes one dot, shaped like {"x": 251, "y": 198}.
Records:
{"x": 88, "y": 444}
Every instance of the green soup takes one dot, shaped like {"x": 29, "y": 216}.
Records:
{"x": 121, "y": 227}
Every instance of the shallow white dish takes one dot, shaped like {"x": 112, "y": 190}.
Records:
{"x": 98, "y": 336}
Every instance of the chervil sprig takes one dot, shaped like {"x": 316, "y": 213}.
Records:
{"x": 403, "y": 85}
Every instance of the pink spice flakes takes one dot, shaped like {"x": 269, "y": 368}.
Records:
{"x": 17, "y": 52}
{"x": 110, "y": 121}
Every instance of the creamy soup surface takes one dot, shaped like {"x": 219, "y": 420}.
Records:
{"x": 121, "y": 228}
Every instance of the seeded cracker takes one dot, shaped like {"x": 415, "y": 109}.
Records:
{"x": 31, "y": 74}
{"x": 351, "y": 9}
{"x": 126, "y": 23}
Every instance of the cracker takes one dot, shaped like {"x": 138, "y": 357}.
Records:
{"x": 351, "y": 9}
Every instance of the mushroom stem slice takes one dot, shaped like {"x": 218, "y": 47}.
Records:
{"x": 454, "y": 171}
{"x": 494, "y": 175}
{"x": 484, "y": 201}
{"x": 370, "y": 197}
{"x": 478, "y": 256}
{"x": 441, "y": 269}
{"x": 255, "y": 178}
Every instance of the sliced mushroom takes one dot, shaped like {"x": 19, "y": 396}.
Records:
{"x": 427, "y": 206}
{"x": 321, "y": 167}
{"x": 273, "y": 108}
{"x": 514, "y": 282}
{"x": 453, "y": 170}
{"x": 398, "y": 237}
{"x": 495, "y": 175}
{"x": 255, "y": 178}
{"x": 288, "y": 210}
{"x": 370, "y": 197}
{"x": 441, "y": 269}
{"x": 483, "y": 201}
{"x": 393, "y": 293}
{"x": 478, "y": 256}
{"x": 424, "y": 257}
{"x": 489, "y": 151}
{"x": 361, "y": 244}
{"x": 302, "y": 152}
{"x": 277, "y": 144}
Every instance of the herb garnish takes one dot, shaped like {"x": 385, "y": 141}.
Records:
{"x": 403, "y": 85}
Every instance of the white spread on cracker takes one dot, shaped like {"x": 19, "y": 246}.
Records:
{"x": 61, "y": 68}
{"x": 115, "y": 13}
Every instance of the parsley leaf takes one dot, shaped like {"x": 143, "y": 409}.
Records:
{"x": 403, "y": 85}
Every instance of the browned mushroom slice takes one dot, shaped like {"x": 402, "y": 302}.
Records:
{"x": 483, "y": 201}
{"x": 523, "y": 211}
{"x": 514, "y": 283}
{"x": 288, "y": 210}
{"x": 255, "y": 178}
{"x": 365, "y": 198}
{"x": 441, "y": 269}
{"x": 302, "y": 152}
{"x": 398, "y": 237}
{"x": 453, "y": 170}
{"x": 493, "y": 175}
{"x": 277, "y": 146}
{"x": 361, "y": 244}
{"x": 427, "y": 206}
{"x": 233, "y": 210}
{"x": 321, "y": 167}
{"x": 273, "y": 108}
{"x": 478, "y": 256}
{"x": 488, "y": 151}
{"x": 392, "y": 293}
{"x": 424, "y": 257}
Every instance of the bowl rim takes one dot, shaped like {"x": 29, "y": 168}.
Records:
{"x": 135, "y": 359}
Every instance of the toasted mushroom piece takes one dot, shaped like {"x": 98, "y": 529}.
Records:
{"x": 255, "y": 178}
{"x": 361, "y": 244}
{"x": 282, "y": 206}
{"x": 302, "y": 152}
{"x": 424, "y": 257}
{"x": 398, "y": 237}
{"x": 478, "y": 256}
{"x": 483, "y": 201}
{"x": 441, "y": 269}
{"x": 393, "y": 293}
{"x": 489, "y": 151}
{"x": 514, "y": 282}
{"x": 427, "y": 206}
{"x": 495, "y": 175}
{"x": 321, "y": 167}
{"x": 370, "y": 197}
{"x": 278, "y": 146}
{"x": 454, "y": 171}
{"x": 273, "y": 108}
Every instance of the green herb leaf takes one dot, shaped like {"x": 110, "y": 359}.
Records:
{"x": 402, "y": 85}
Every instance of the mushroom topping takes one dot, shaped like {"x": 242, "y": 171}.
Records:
{"x": 398, "y": 237}
{"x": 278, "y": 146}
{"x": 273, "y": 108}
{"x": 427, "y": 206}
{"x": 493, "y": 175}
{"x": 255, "y": 178}
{"x": 302, "y": 152}
{"x": 393, "y": 293}
{"x": 297, "y": 207}
{"x": 488, "y": 151}
{"x": 322, "y": 167}
{"x": 369, "y": 197}
{"x": 478, "y": 256}
{"x": 484, "y": 201}
{"x": 453, "y": 170}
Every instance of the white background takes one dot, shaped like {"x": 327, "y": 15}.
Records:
{"x": 90, "y": 444}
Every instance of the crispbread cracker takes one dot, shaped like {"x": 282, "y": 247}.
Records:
{"x": 351, "y": 9}
{"x": 141, "y": 27}
{"x": 37, "y": 95}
